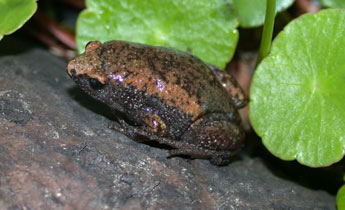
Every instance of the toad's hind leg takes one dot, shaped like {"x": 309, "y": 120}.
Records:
{"x": 181, "y": 148}
{"x": 191, "y": 150}
{"x": 217, "y": 134}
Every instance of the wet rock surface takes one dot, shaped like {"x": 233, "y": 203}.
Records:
{"x": 57, "y": 152}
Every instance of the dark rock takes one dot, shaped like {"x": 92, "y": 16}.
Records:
{"x": 56, "y": 152}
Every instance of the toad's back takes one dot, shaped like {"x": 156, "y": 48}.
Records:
{"x": 179, "y": 79}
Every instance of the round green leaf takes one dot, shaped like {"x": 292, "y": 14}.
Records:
{"x": 251, "y": 13}
{"x": 333, "y": 3}
{"x": 298, "y": 92}
{"x": 14, "y": 13}
{"x": 205, "y": 28}
{"x": 341, "y": 198}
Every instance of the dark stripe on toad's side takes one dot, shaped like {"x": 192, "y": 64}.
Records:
{"x": 134, "y": 103}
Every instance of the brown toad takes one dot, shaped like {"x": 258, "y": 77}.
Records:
{"x": 166, "y": 96}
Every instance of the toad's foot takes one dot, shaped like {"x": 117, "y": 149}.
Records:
{"x": 215, "y": 157}
{"x": 128, "y": 130}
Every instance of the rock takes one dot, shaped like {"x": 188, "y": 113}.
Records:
{"x": 56, "y": 152}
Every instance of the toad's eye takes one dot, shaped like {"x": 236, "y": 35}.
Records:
{"x": 95, "y": 84}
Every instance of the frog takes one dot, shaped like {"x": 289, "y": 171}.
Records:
{"x": 165, "y": 96}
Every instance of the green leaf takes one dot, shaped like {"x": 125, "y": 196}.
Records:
{"x": 333, "y": 3}
{"x": 251, "y": 13}
{"x": 341, "y": 198}
{"x": 14, "y": 13}
{"x": 205, "y": 28}
{"x": 298, "y": 92}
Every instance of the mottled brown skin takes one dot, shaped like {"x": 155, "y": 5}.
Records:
{"x": 166, "y": 96}
{"x": 234, "y": 89}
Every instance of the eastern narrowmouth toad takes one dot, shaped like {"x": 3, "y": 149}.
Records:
{"x": 166, "y": 96}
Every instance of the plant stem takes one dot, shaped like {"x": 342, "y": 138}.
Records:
{"x": 266, "y": 39}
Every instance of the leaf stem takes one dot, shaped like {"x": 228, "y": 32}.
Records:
{"x": 266, "y": 39}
